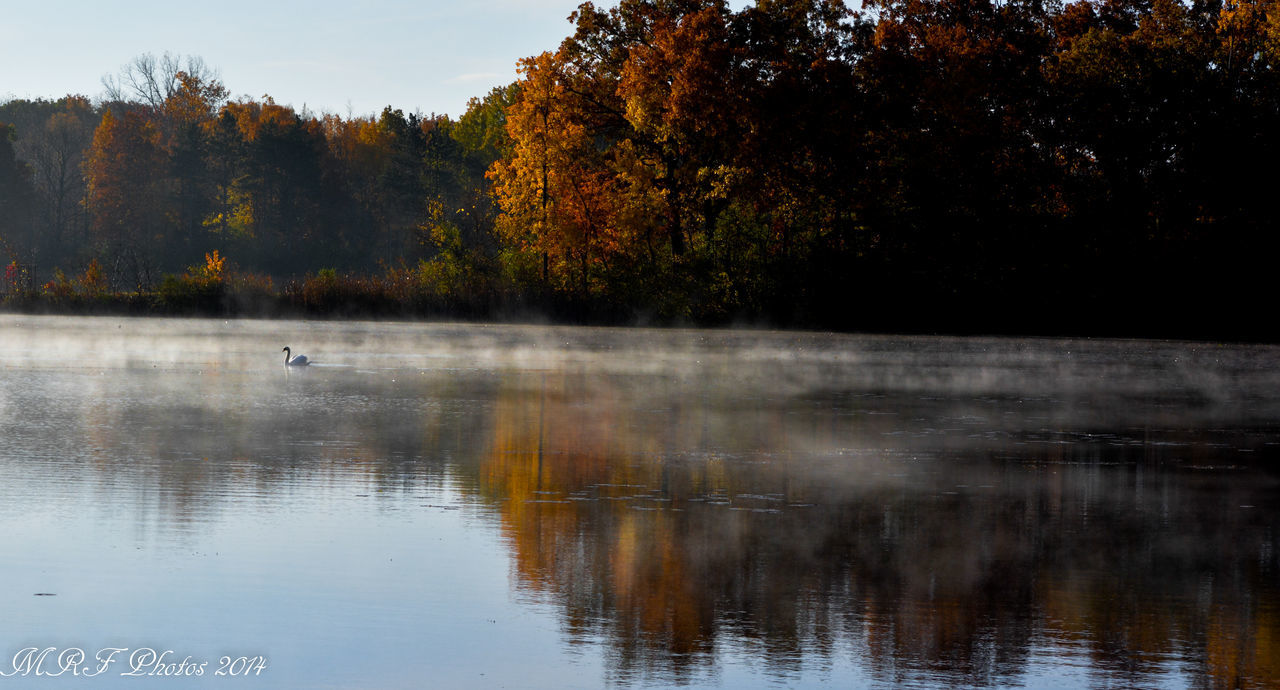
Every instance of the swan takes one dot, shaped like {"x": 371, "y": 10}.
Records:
{"x": 296, "y": 361}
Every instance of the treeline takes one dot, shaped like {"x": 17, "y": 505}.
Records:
{"x": 148, "y": 182}
{"x": 921, "y": 165}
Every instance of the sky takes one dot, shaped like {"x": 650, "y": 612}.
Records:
{"x": 351, "y": 58}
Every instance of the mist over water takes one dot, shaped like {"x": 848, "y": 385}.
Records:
{"x": 487, "y": 506}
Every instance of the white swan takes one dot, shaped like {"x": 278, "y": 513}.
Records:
{"x": 296, "y": 361}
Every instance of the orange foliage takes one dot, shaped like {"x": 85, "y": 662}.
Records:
{"x": 122, "y": 166}
{"x": 213, "y": 265}
{"x": 194, "y": 101}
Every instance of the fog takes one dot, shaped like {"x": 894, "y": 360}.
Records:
{"x": 788, "y": 364}
{"x": 642, "y": 507}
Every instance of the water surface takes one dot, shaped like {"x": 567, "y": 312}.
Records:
{"x": 439, "y": 505}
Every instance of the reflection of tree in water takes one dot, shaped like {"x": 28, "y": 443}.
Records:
{"x": 681, "y": 522}
{"x": 679, "y": 536}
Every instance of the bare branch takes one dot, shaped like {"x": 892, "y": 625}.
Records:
{"x": 151, "y": 80}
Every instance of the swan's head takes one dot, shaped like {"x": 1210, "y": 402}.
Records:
{"x": 285, "y": 350}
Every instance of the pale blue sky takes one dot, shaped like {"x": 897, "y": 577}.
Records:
{"x": 350, "y": 57}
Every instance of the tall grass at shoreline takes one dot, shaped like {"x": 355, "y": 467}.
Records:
{"x": 216, "y": 289}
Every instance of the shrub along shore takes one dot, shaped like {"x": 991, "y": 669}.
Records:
{"x": 421, "y": 293}
{"x": 215, "y": 290}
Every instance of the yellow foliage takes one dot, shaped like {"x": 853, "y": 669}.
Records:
{"x": 213, "y": 264}
{"x": 92, "y": 281}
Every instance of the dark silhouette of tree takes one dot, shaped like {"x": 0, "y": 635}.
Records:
{"x": 16, "y": 195}
{"x": 51, "y": 138}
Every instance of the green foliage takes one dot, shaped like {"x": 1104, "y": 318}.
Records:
{"x": 200, "y": 290}
{"x": 482, "y": 130}
{"x": 188, "y": 294}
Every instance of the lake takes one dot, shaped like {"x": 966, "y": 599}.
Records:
{"x": 467, "y": 506}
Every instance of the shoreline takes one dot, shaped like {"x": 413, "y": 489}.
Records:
{"x": 567, "y": 313}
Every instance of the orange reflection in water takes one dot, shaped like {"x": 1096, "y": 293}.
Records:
{"x": 587, "y": 530}
{"x": 676, "y": 531}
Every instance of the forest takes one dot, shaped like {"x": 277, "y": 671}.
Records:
{"x": 1098, "y": 167}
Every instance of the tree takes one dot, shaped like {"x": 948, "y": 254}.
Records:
{"x": 123, "y": 170}
{"x": 656, "y": 118}
{"x": 15, "y": 196}
{"x": 57, "y": 154}
{"x": 961, "y": 188}
{"x": 186, "y": 116}
{"x": 398, "y": 184}
{"x": 482, "y": 129}
{"x": 281, "y": 185}
{"x": 611, "y": 140}
{"x": 154, "y": 81}
{"x": 51, "y": 138}
{"x": 556, "y": 190}
{"x": 796, "y": 180}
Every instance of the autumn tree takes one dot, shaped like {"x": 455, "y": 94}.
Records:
{"x": 609, "y": 136}
{"x": 557, "y": 190}
{"x": 360, "y": 148}
{"x": 690, "y": 158}
{"x": 281, "y": 185}
{"x": 153, "y": 81}
{"x": 230, "y": 213}
{"x": 797, "y": 185}
{"x": 179, "y": 99}
{"x": 1153, "y": 103}
{"x": 123, "y": 170}
{"x": 379, "y": 163}
{"x": 187, "y": 116}
{"x": 959, "y": 192}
